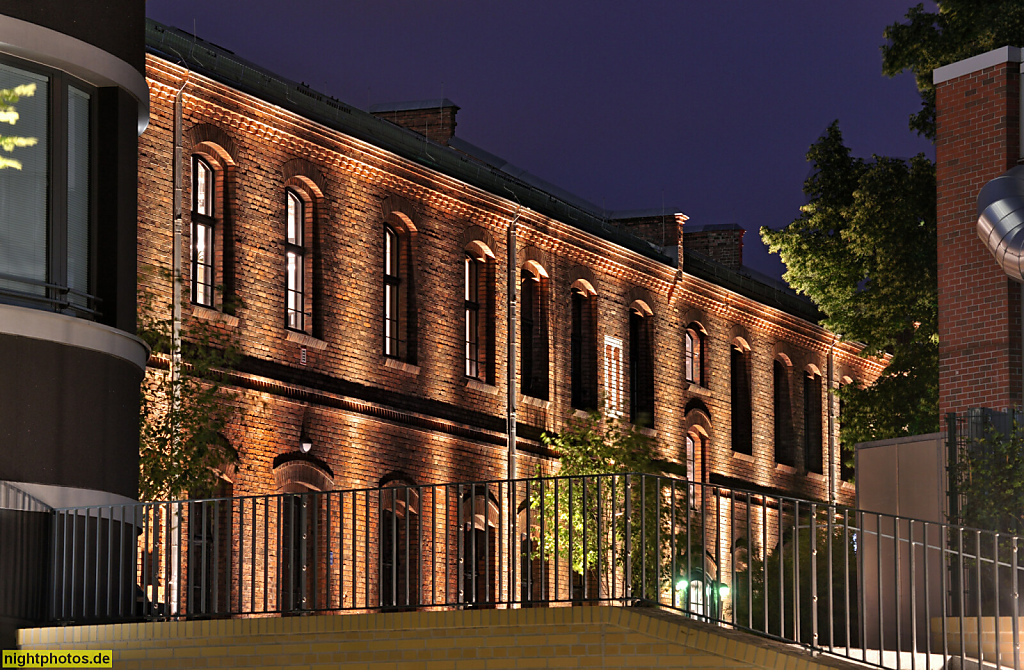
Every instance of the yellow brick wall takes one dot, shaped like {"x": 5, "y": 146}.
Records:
{"x": 569, "y": 637}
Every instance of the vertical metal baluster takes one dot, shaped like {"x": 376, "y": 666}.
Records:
{"x": 977, "y": 591}
{"x": 926, "y": 546}
{"x": 215, "y": 596}
{"x": 846, "y": 577}
{"x": 913, "y": 598}
{"x": 675, "y": 572}
{"x": 764, "y": 558}
{"x": 419, "y": 546}
{"x": 830, "y": 606}
{"x": 366, "y": 548}
{"x": 796, "y": 572}
{"x": 782, "y": 571}
{"x": 643, "y": 537}
{"x": 750, "y": 570}
{"x": 878, "y": 550}
{"x": 584, "y": 485}
{"x": 500, "y": 549}
{"x": 897, "y": 568}
{"x": 433, "y": 545}
{"x": 997, "y": 592}
{"x": 813, "y": 539}
{"x": 1015, "y": 621}
{"x": 355, "y": 552}
{"x": 558, "y": 562}
{"x": 266, "y": 551}
{"x": 689, "y": 551}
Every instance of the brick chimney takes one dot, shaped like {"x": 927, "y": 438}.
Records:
{"x": 978, "y": 138}
{"x": 722, "y": 243}
{"x": 434, "y": 119}
{"x": 661, "y": 229}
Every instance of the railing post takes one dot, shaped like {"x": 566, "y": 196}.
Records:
{"x": 814, "y": 575}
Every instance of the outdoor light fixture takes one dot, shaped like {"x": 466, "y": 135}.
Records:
{"x": 305, "y": 444}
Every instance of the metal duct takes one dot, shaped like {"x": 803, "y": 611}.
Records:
{"x": 1001, "y": 220}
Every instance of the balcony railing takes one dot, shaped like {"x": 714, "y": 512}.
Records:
{"x": 834, "y": 579}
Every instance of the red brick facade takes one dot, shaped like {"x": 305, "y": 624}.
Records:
{"x": 417, "y": 417}
{"x": 978, "y": 136}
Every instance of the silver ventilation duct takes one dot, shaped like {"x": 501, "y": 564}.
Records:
{"x": 1001, "y": 220}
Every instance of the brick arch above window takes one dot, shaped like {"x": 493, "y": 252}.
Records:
{"x": 640, "y": 295}
{"x": 697, "y": 419}
{"x": 694, "y": 315}
{"x": 534, "y": 257}
{"x": 208, "y": 133}
{"x": 475, "y": 237}
{"x": 739, "y": 335}
{"x": 308, "y": 173}
{"x": 294, "y": 471}
{"x": 583, "y": 277}
{"x": 787, "y": 353}
{"x": 396, "y": 209}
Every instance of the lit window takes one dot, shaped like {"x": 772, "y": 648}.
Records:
{"x": 202, "y": 232}
{"x": 392, "y": 282}
{"x": 295, "y": 251}
{"x": 613, "y": 375}
{"x": 45, "y": 206}
{"x": 694, "y": 354}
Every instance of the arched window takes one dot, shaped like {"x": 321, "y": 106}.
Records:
{"x": 694, "y": 354}
{"x": 583, "y": 347}
{"x": 533, "y": 331}
{"x": 478, "y": 289}
{"x": 295, "y": 251}
{"x": 203, "y": 226}
{"x": 641, "y": 365}
{"x": 812, "y": 421}
{"x": 785, "y": 451}
{"x": 392, "y": 285}
{"x": 742, "y": 419}
{"x": 478, "y": 560}
{"x": 399, "y": 548}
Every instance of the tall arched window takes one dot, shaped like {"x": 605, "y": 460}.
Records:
{"x": 392, "y": 284}
{"x": 203, "y": 250}
{"x": 583, "y": 347}
{"x": 812, "y": 421}
{"x": 533, "y": 331}
{"x": 295, "y": 251}
{"x": 479, "y": 289}
{"x": 641, "y": 365}
{"x": 693, "y": 354}
{"x": 785, "y": 451}
{"x": 742, "y": 419}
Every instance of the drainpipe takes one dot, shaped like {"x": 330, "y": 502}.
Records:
{"x": 513, "y": 287}
{"x": 831, "y": 425}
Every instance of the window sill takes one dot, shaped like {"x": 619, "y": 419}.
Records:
{"x": 816, "y": 476}
{"x": 648, "y": 432}
{"x": 396, "y": 364}
{"x": 305, "y": 340}
{"x": 848, "y": 486}
{"x": 788, "y": 469}
{"x": 696, "y": 388}
{"x": 743, "y": 457}
{"x": 215, "y": 316}
{"x": 478, "y": 385}
{"x": 530, "y": 401}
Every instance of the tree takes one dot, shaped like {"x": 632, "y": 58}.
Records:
{"x": 864, "y": 250}
{"x": 183, "y": 416}
{"x": 958, "y": 29}
{"x": 8, "y": 114}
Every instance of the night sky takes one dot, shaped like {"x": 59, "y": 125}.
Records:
{"x": 707, "y": 108}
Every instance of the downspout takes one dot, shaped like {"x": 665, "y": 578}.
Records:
{"x": 831, "y": 425}
{"x": 511, "y": 337}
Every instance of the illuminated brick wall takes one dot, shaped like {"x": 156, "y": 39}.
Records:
{"x": 978, "y": 134}
{"x": 370, "y": 417}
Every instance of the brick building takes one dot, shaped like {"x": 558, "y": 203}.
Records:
{"x": 362, "y": 267}
{"x": 977, "y": 140}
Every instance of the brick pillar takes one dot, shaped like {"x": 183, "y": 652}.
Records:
{"x": 978, "y": 138}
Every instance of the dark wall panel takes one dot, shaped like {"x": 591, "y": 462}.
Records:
{"x": 68, "y": 416}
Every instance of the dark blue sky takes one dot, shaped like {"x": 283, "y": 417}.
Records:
{"x": 703, "y": 107}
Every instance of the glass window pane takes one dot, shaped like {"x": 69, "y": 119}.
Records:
{"x": 78, "y": 195}
{"x": 23, "y": 192}
{"x": 294, "y": 219}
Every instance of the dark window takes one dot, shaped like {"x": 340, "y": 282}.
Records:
{"x": 47, "y": 205}
{"x": 694, "y": 354}
{"x": 533, "y": 335}
{"x": 209, "y": 533}
{"x": 202, "y": 232}
{"x": 392, "y": 283}
{"x": 296, "y": 266}
{"x": 294, "y": 557}
{"x": 812, "y": 422}
{"x": 399, "y": 546}
{"x": 784, "y": 433}
{"x": 472, "y": 295}
{"x": 583, "y": 351}
{"x": 641, "y": 369}
{"x": 739, "y": 373}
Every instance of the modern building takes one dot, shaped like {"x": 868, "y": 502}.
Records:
{"x": 70, "y": 365}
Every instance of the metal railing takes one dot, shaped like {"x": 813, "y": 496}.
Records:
{"x": 880, "y": 589}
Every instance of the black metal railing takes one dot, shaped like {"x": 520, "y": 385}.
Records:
{"x": 857, "y": 584}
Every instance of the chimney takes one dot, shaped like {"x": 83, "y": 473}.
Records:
{"x": 434, "y": 119}
{"x": 722, "y": 243}
{"x": 977, "y": 104}
{"x": 661, "y": 229}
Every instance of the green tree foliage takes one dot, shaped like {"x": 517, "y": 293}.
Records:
{"x": 958, "y": 29}
{"x": 989, "y": 476}
{"x": 8, "y": 114}
{"x": 182, "y": 417}
{"x": 864, "y": 250}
